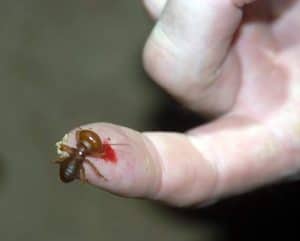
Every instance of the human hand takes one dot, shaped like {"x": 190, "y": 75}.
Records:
{"x": 243, "y": 70}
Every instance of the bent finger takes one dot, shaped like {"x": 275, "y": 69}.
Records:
{"x": 187, "y": 53}
{"x": 155, "y": 7}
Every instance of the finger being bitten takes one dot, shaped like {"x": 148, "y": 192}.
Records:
{"x": 148, "y": 166}
{"x": 125, "y": 164}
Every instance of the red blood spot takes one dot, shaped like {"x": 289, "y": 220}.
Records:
{"x": 109, "y": 153}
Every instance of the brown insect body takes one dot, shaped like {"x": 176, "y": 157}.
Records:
{"x": 71, "y": 167}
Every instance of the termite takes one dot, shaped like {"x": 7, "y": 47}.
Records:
{"x": 88, "y": 143}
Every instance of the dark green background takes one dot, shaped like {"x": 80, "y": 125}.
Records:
{"x": 65, "y": 63}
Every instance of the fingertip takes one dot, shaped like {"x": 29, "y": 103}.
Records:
{"x": 160, "y": 166}
{"x": 132, "y": 172}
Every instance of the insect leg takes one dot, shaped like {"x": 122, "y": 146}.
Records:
{"x": 68, "y": 149}
{"x": 94, "y": 168}
{"x": 82, "y": 175}
{"x": 97, "y": 155}
{"x": 77, "y": 135}
{"x": 58, "y": 160}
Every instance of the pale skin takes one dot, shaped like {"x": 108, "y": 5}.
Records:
{"x": 250, "y": 85}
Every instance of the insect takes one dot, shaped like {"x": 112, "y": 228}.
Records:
{"x": 71, "y": 166}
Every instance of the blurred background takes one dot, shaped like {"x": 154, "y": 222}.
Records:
{"x": 66, "y": 63}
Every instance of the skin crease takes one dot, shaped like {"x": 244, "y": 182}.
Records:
{"x": 239, "y": 63}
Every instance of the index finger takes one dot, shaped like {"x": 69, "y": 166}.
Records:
{"x": 229, "y": 156}
{"x": 140, "y": 167}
